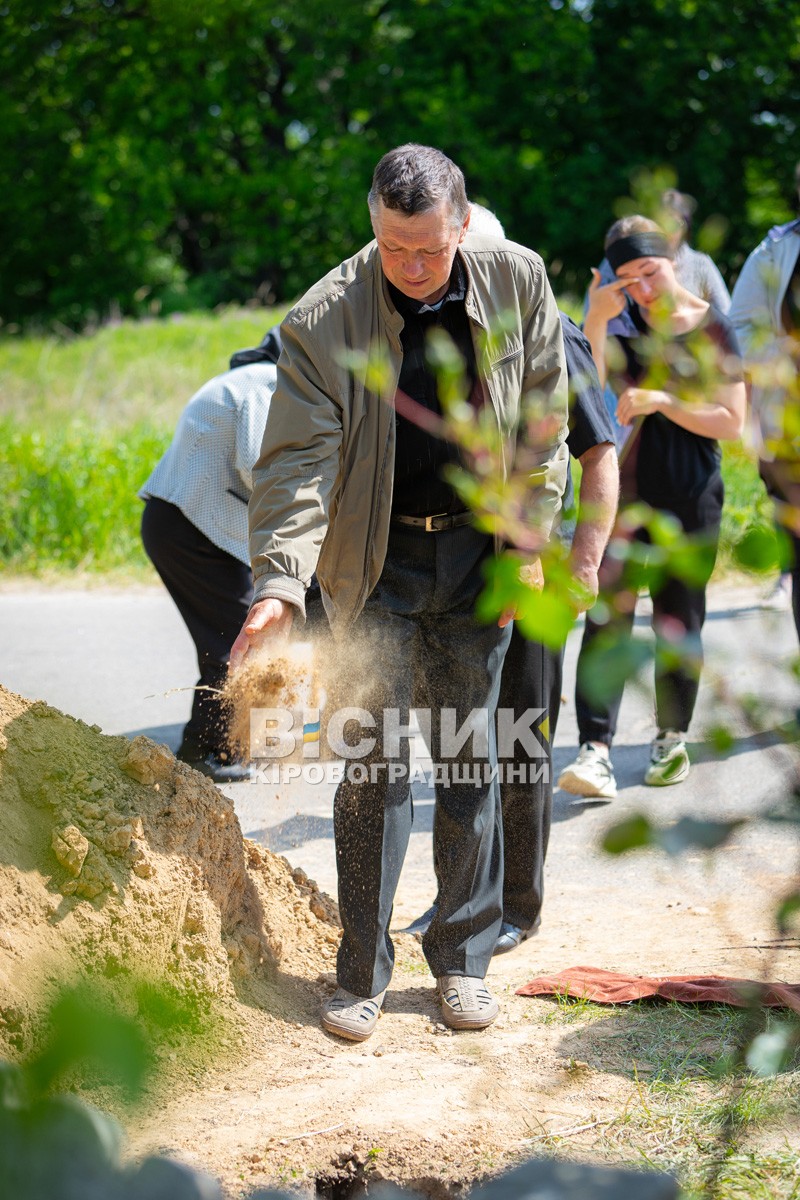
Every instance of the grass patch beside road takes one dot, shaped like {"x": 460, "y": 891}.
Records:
{"x": 82, "y": 424}
{"x": 84, "y": 420}
{"x": 69, "y": 495}
{"x": 746, "y": 500}
{"x": 688, "y": 1106}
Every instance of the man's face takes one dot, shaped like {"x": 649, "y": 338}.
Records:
{"x": 417, "y": 252}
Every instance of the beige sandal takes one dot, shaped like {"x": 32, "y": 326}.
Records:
{"x": 351, "y": 1017}
{"x": 467, "y": 1003}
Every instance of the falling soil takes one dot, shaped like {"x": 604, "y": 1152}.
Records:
{"x": 277, "y": 679}
{"x": 115, "y": 858}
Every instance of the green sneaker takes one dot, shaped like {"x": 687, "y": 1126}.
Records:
{"x": 669, "y": 760}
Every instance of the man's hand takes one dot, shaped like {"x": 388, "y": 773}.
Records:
{"x": 267, "y": 619}
{"x": 531, "y": 574}
{"x": 639, "y": 402}
{"x": 586, "y": 587}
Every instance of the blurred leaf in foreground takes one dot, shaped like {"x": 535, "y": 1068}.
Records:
{"x": 610, "y": 663}
{"x": 757, "y": 550}
{"x": 772, "y": 1050}
{"x": 82, "y": 1031}
{"x": 638, "y": 831}
{"x": 788, "y": 913}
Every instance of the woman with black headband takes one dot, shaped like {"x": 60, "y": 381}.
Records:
{"x": 680, "y": 392}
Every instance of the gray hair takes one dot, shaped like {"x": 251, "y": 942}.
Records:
{"x": 414, "y": 179}
{"x": 483, "y": 221}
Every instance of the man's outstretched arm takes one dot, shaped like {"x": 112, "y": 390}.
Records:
{"x": 599, "y": 494}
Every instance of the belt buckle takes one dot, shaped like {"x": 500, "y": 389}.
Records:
{"x": 429, "y": 526}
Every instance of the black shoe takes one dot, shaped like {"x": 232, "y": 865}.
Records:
{"x": 423, "y": 923}
{"x": 221, "y": 770}
{"x": 511, "y": 936}
{"x": 190, "y": 752}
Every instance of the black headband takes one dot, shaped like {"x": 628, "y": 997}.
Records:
{"x": 638, "y": 245}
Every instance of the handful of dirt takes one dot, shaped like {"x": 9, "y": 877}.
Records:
{"x": 276, "y": 675}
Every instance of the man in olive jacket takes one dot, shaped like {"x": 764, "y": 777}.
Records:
{"x": 350, "y": 485}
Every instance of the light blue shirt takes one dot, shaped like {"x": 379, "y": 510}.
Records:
{"x": 757, "y": 316}
{"x": 207, "y": 470}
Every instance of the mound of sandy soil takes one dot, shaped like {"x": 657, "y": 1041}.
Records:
{"x": 117, "y": 858}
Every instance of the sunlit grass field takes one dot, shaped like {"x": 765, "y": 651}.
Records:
{"x": 82, "y": 423}
{"x": 84, "y": 419}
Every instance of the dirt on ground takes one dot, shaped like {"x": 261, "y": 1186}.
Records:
{"x": 117, "y": 859}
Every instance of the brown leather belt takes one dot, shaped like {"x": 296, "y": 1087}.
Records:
{"x": 435, "y": 523}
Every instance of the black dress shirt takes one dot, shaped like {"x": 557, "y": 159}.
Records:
{"x": 420, "y": 455}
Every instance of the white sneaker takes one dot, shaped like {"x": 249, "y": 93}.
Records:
{"x": 590, "y": 775}
{"x": 669, "y": 760}
{"x": 780, "y": 598}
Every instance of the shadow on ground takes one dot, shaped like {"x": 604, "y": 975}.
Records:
{"x": 165, "y": 735}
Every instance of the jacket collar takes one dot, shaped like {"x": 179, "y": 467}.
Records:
{"x": 472, "y": 302}
{"x": 779, "y": 231}
{"x": 390, "y": 317}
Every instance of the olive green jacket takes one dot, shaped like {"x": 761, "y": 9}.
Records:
{"x": 322, "y": 487}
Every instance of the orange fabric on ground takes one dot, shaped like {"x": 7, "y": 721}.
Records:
{"x": 615, "y": 987}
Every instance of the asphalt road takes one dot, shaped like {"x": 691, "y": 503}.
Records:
{"x": 122, "y": 659}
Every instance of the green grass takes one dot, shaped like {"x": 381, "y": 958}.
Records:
{"x": 746, "y": 500}
{"x": 691, "y": 1107}
{"x": 83, "y": 420}
{"x": 82, "y": 423}
{"x": 126, "y": 373}
{"x": 69, "y": 495}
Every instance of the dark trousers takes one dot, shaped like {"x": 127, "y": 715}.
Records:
{"x": 532, "y": 676}
{"x": 212, "y": 591}
{"x": 418, "y": 630}
{"x": 679, "y": 611}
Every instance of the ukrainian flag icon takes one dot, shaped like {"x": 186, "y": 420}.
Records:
{"x": 311, "y": 731}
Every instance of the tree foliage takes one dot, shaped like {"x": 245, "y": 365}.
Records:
{"x": 159, "y": 150}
